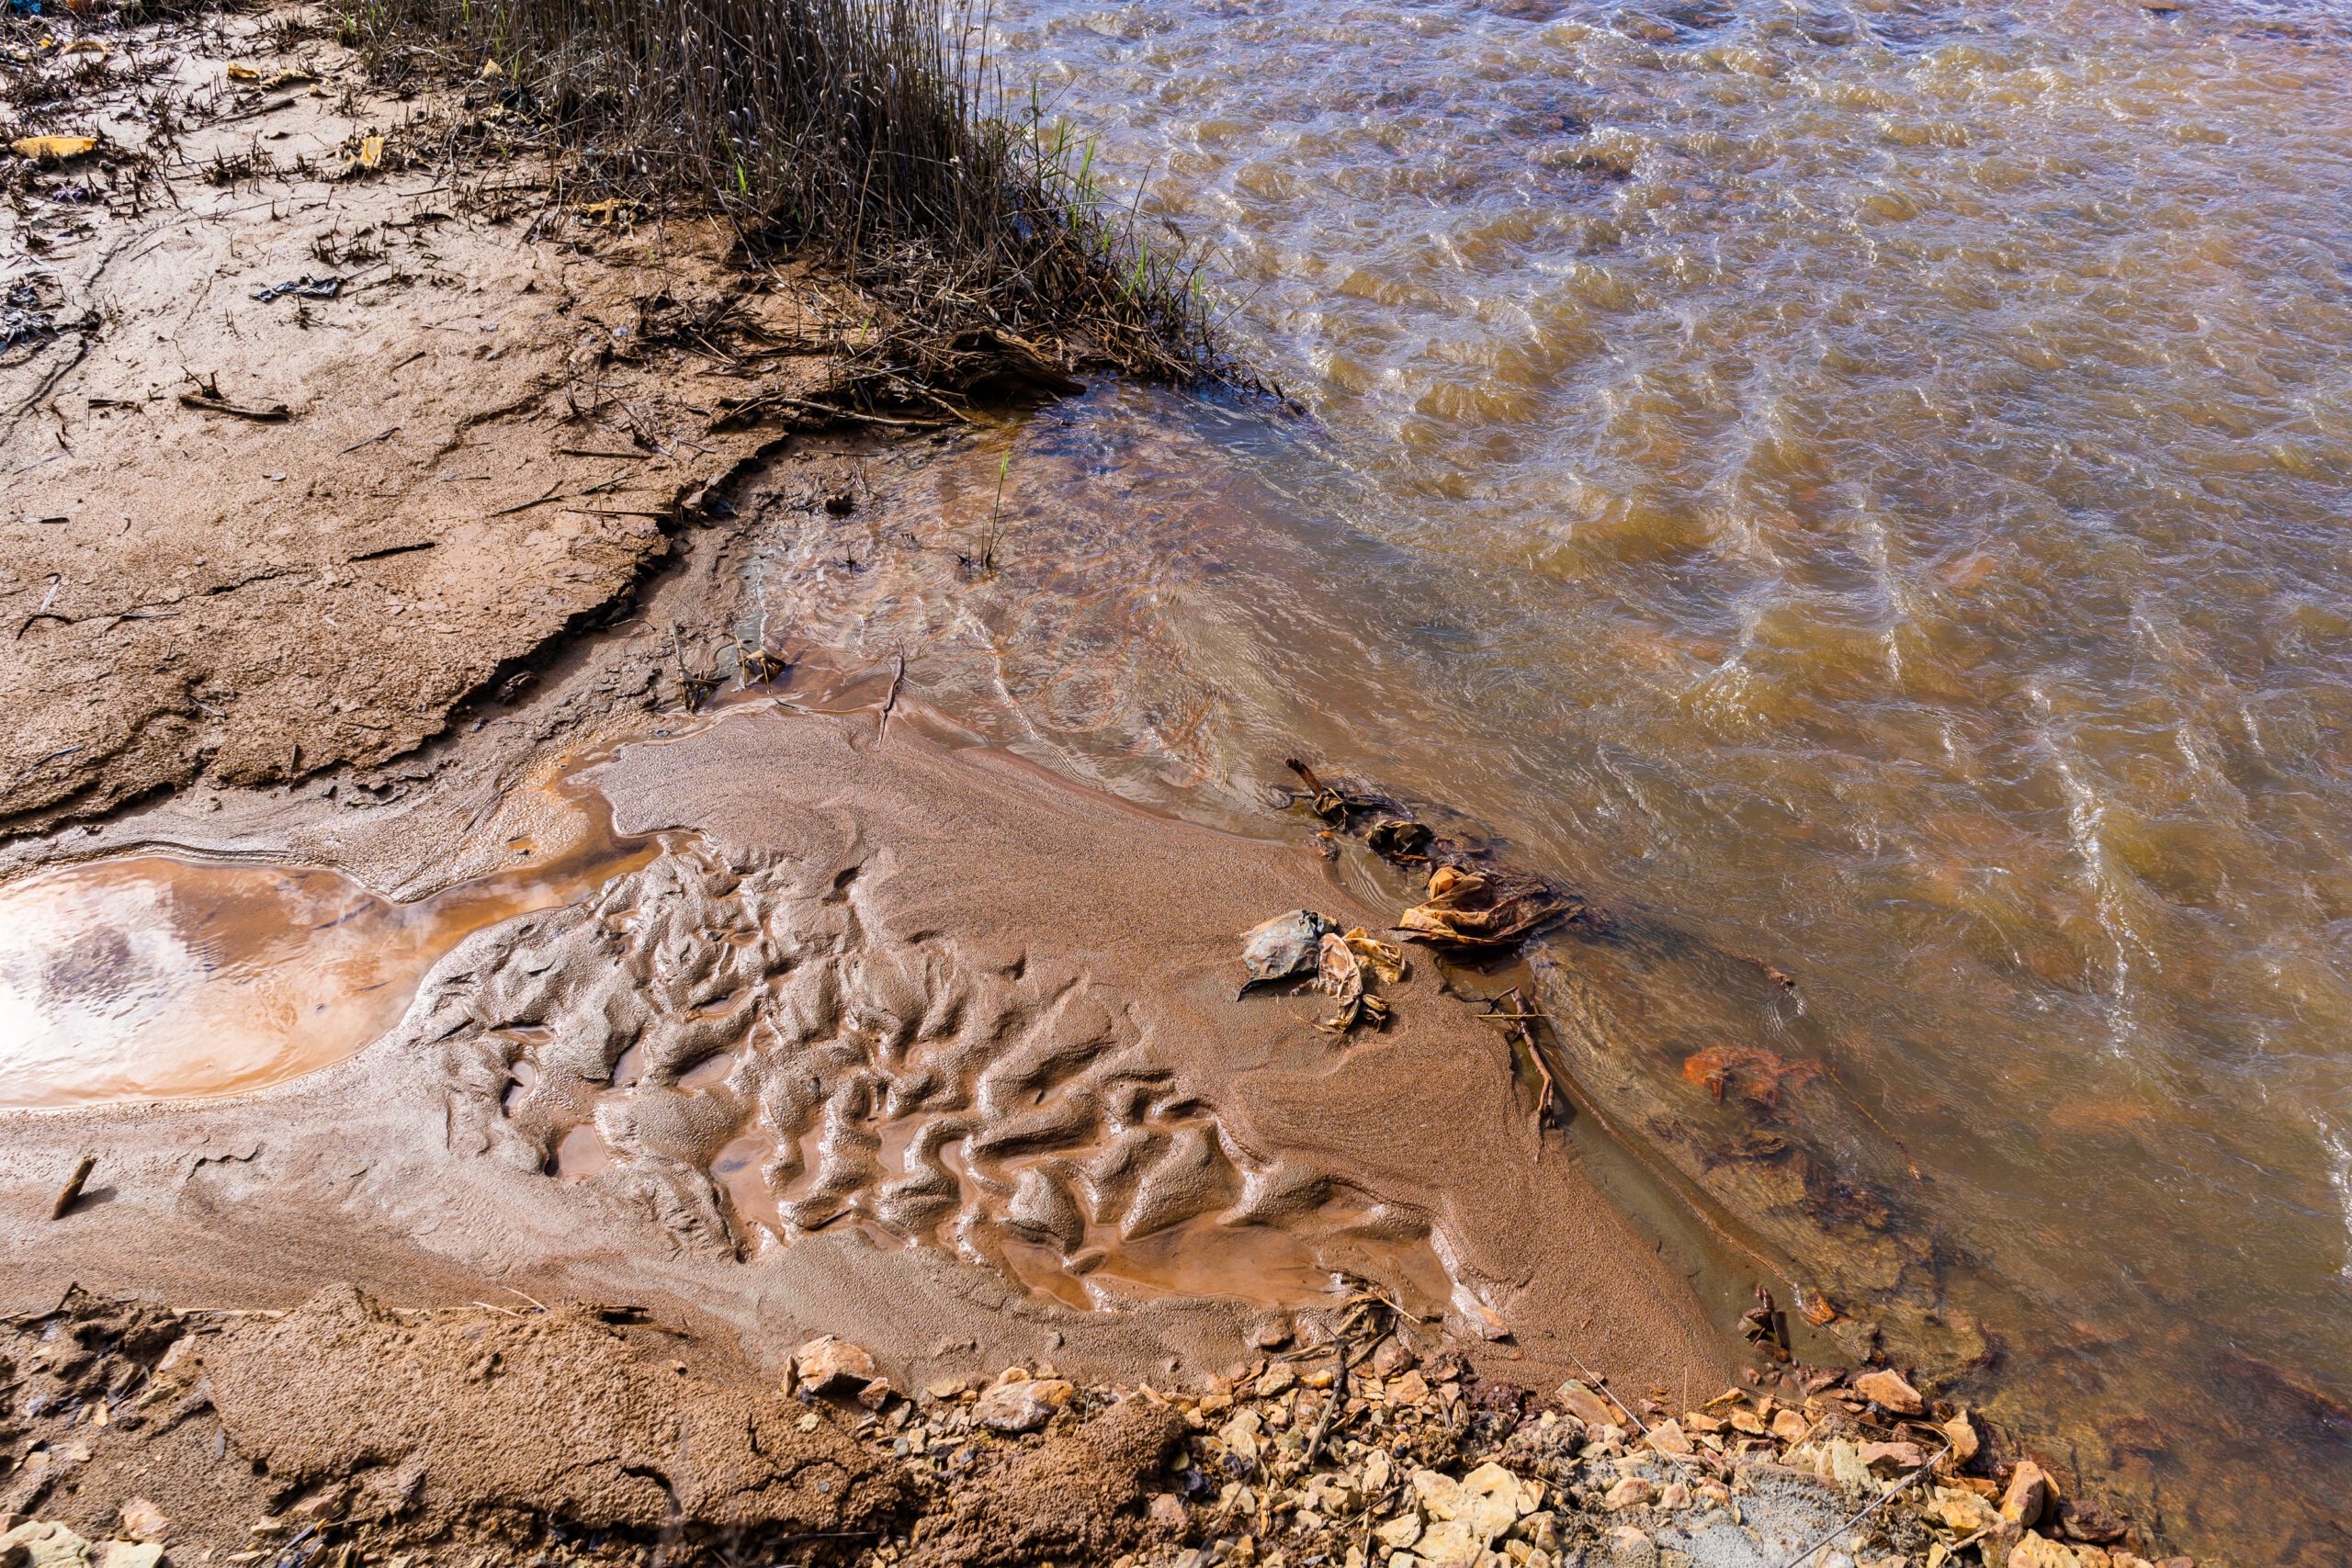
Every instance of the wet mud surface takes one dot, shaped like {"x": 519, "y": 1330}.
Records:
{"x": 937, "y": 1066}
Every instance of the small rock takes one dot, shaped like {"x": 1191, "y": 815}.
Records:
{"x": 945, "y": 1388}
{"x": 1790, "y": 1427}
{"x": 1964, "y": 1513}
{"x": 2086, "y": 1521}
{"x": 1399, "y": 1532}
{"x": 2028, "y": 1496}
{"x": 1585, "y": 1406}
{"x": 1676, "y": 1495}
{"x": 1441, "y": 1495}
{"x": 1270, "y": 1334}
{"x": 1494, "y": 1498}
{"x": 1961, "y": 1433}
{"x": 1392, "y": 1359}
{"x": 1666, "y": 1437}
{"x": 1022, "y": 1406}
{"x": 1167, "y": 1512}
{"x": 2039, "y": 1551}
{"x": 1278, "y": 1379}
{"x": 826, "y": 1362}
{"x": 45, "y": 1544}
{"x": 1630, "y": 1492}
{"x": 142, "y": 1520}
{"x": 1747, "y": 1421}
{"x": 1891, "y": 1458}
{"x": 875, "y": 1395}
{"x": 1410, "y": 1389}
{"x": 1889, "y": 1390}
{"x": 125, "y": 1554}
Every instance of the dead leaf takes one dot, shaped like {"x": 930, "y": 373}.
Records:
{"x": 1380, "y": 957}
{"x": 371, "y": 152}
{"x": 1398, "y": 838}
{"x": 612, "y": 210}
{"x": 53, "y": 149}
{"x": 293, "y": 75}
{"x": 1488, "y": 908}
{"x": 85, "y": 46}
{"x": 242, "y": 72}
{"x": 1758, "y": 1075}
{"x": 1339, "y": 975}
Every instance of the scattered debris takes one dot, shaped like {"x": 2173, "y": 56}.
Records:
{"x": 1399, "y": 839}
{"x": 1285, "y": 946}
{"x": 208, "y": 397}
{"x": 306, "y": 286}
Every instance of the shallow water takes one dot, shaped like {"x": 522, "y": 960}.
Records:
{"x": 1861, "y": 484}
{"x": 157, "y": 976}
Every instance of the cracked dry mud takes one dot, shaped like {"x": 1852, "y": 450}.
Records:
{"x": 478, "y": 456}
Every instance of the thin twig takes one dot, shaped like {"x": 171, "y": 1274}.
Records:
{"x": 1866, "y": 1513}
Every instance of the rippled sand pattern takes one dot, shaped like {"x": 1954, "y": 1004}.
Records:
{"x": 746, "y": 1057}
{"x": 1864, "y": 481}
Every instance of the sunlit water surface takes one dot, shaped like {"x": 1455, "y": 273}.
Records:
{"x": 1865, "y": 482}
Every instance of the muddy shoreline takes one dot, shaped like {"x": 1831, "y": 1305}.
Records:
{"x": 880, "y": 1031}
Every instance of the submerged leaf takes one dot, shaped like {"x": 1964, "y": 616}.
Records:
{"x": 1756, "y": 1074}
{"x": 1398, "y": 838}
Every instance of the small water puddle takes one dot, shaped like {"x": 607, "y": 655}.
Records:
{"x": 162, "y": 976}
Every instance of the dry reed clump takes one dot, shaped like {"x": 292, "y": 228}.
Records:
{"x": 862, "y": 134}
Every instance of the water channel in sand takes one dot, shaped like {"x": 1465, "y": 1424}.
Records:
{"x": 1859, "y": 484}
{"x": 159, "y": 976}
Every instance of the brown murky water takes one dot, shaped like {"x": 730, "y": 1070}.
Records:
{"x": 1859, "y": 485}
{"x": 161, "y": 976}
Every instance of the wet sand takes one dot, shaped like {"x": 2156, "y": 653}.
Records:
{"x": 915, "y": 899}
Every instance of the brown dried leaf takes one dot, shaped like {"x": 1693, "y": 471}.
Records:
{"x": 1383, "y": 959}
{"x": 1492, "y": 908}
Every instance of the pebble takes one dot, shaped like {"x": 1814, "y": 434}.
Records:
{"x": 1022, "y": 1406}
{"x": 1628, "y": 1492}
{"x": 1889, "y": 1390}
{"x": 1891, "y": 1457}
{"x": 2029, "y": 1495}
{"x": 1667, "y": 1436}
{"x": 1585, "y": 1406}
{"x": 142, "y": 1520}
{"x": 827, "y": 1361}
